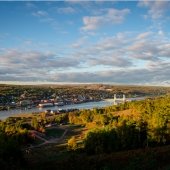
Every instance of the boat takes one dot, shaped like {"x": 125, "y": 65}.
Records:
{"x": 46, "y": 105}
{"x": 59, "y": 104}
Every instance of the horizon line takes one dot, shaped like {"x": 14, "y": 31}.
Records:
{"x": 80, "y": 83}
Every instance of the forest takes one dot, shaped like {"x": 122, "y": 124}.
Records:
{"x": 126, "y": 127}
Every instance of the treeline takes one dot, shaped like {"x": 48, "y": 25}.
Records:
{"x": 131, "y": 90}
{"x": 97, "y": 116}
{"x": 131, "y": 125}
{"x": 12, "y": 137}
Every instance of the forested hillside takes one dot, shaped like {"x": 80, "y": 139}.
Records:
{"x": 126, "y": 126}
{"x": 111, "y": 133}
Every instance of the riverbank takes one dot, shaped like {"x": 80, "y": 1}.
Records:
{"x": 86, "y": 105}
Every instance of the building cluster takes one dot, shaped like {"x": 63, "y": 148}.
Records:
{"x": 50, "y": 101}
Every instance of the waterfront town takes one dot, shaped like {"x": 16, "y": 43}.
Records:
{"x": 25, "y": 100}
{"x": 50, "y": 101}
{"x": 12, "y": 97}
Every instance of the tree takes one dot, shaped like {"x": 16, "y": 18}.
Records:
{"x": 34, "y": 123}
{"x": 72, "y": 145}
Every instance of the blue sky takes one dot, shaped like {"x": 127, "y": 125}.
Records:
{"x": 119, "y": 42}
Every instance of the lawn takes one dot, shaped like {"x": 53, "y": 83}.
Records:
{"x": 37, "y": 142}
{"x": 54, "y": 133}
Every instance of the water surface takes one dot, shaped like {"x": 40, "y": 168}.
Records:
{"x": 88, "y": 105}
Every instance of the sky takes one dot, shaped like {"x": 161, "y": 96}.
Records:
{"x": 117, "y": 42}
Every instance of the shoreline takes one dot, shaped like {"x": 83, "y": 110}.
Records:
{"x": 86, "y": 105}
{"x": 16, "y": 112}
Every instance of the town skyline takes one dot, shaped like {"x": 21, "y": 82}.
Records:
{"x": 113, "y": 42}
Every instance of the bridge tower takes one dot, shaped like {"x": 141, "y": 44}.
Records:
{"x": 114, "y": 97}
{"x": 124, "y": 97}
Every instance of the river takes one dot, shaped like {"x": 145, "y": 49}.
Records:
{"x": 88, "y": 105}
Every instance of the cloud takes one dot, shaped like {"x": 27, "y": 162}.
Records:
{"x": 124, "y": 50}
{"x": 115, "y": 59}
{"x": 111, "y": 60}
{"x": 29, "y": 60}
{"x": 149, "y": 46}
{"x": 32, "y": 65}
{"x": 156, "y": 9}
{"x": 36, "y": 66}
{"x": 144, "y": 50}
{"x": 79, "y": 43}
{"x": 110, "y": 16}
{"x": 156, "y": 76}
{"x": 106, "y": 52}
{"x": 91, "y": 23}
{"x": 143, "y": 35}
{"x": 40, "y": 13}
{"x": 66, "y": 10}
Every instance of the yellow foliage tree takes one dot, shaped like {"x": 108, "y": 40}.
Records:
{"x": 72, "y": 145}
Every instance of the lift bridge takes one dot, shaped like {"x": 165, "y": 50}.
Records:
{"x": 123, "y": 99}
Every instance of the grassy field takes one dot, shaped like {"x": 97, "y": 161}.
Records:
{"x": 37, "y": 142}
{"x": 54, "y": 133}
